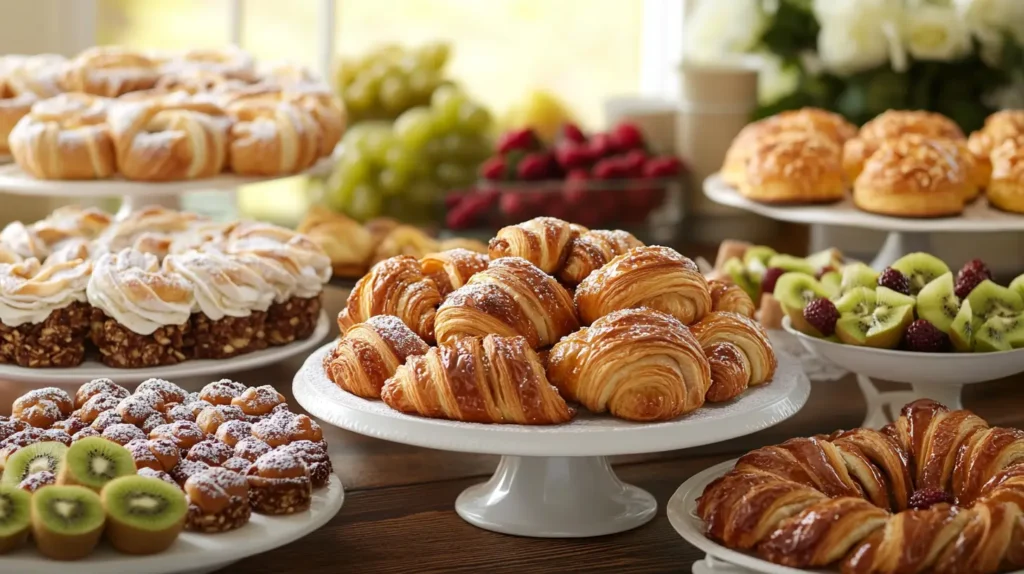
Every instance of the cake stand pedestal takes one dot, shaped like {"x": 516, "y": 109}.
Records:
{"x": 904, "y": 235}
{"x": 555, "y": 481}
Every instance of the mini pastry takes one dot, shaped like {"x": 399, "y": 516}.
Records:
{"x": 65, "y": 137}
{"x": 894, "y": 124}
{"x": 251, "y": 448}
{"x": 404, "y": 240}
{"x": 221, "y": 392}
{"x": 109, "y": 71}
{"x": 157, "y": 454}
{"x": 105, "y": 419}
{"x": 179, "y": 412}
{"x": 738, "y": 351}
{"x": 543, "y": 241}
{"x": 85, "y": 433}
{"x": 218, "y": 501}
{"x": 58, "y": 396}
{"x": 137, "y": 408}
{"x": 70, "y": 425}
{"x": 71, "y": 222}
{"x": 123, "y": 433}
{"x": 258, "y": 400}
{"x": 592, "y": 250}
{"x": 369, "y": 354}
{"x": 23, "y": 242}
{"x": 158, "y": 474}
{"x": 185, "y": 469}
{"x": 149, "y": 230}
{"x": 210, "y": 418}
{"x": 271, "y": 431}
{"x": 316, "y": 459}
{"x": 237, "y": 465}
{"x": 911, "y": 177}
{"x": 97, "y": 405}
{"x": 730, "y": 297}
{"x": 183, "y": 434}
{"x": 279, "y": 483}
{"x": 794, "y": 168}
{"x": 302, "y": 427}
{"x": 153, "y": 421}
{"x": 272, "y": 138}
{"x": 452, "y": 269}
{"x": 13, "y": 105}
{"x": 999, "y": 127}
{"x": 1006, "y": 189}
{"x": 212, "y": 452}
{"x": 345, "y": 241}
{"x": 232, "y": 432}
{"x": 99, "y": 387}
{"x": 396, "y": 287}
{"x": 167, "y": 391}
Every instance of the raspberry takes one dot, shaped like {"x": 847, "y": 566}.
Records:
{"x": 979, "y": 266}
{"x": 627, "y": 136}
{"x": 928, "y": 497}
{"x": 572, "y": 155}
{"x": 661, "y": 167}
{"x": 535, "y": 166}
{"x": 923, "y": 337}
{"x": 973, "y": 273}
{"x": 522, "y": 139}
{"x": 822, "y": 315}
{"x": 601, "y": 146}
{"x": 771, "y": 276}
{"x": 894, "y": 280}
{"x": 572, "y": 132}
{"x": 493, "y": 168}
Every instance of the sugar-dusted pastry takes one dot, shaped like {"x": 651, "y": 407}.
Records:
{"x": 404, "y": 240}
{"x": 894, "y": 124}
{"x": 14, "y": 104}
{"x": 463, "y": 243}
{"x": 279, "y": 483}
{"x": 99, "y": 387}
{"x": 218, "y": 501}
{"x": 726, "y": 296}
{"x": 221, "y": 392}
{"x": 591, "y": 250}
{"x": 637, "y": 364}
{"x": 344, "y": 240}
{"x": 71, "y": 222}
{"x": 315, "y": 456}
{"x": 370, "y": 352}
{"x": 65, "y": 137}
{"x": 23, "y": 241}
{"x": 109, "y": 71}
{"x": 654, "y": 276}
{"x": 169, "y": 139}
{"x": 485, "y": 380}
{"x": 157, "y": 454}
{"x": 511, "y": 297}
{"x": 452, "y": 269}
{"x": 398, "y": 287}
{"x": 37, "y": 74}
{"x": 258, "y": 401}
{"x": 543, "y": 241}
{"x": 739, "y": 352}
{"x": 228, "y": 61}
{"x": 183, "y": 434}
{"x": 999, "y": 127}
{"x": 140, "y": 313}
{"x": 269, "y": 139}
{"x": 316, "y": 99}
{"x": 912, "y": 176}
{"x": 794, "y": 168}
{"x": 1006, "y": 188}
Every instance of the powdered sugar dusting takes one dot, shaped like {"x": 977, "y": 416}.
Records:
{"x": 123, "y": 434}
{"x": 402, "y": 340}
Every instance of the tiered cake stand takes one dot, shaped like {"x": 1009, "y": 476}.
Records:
{"x": 555, "y": 481}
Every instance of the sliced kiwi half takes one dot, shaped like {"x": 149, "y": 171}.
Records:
{"x": 67, "y": 521}
{"x": 95, "y": 461}
{"x": 1017, "y": 285}
{"x": 739, "y": 275}
{"x": 15, "y": 517}
{"x": 789, "y": 263}
{"x": 48, "y": 456}
{"x": 920, "y": 269}
{"x": 857, "y": 275}
{"x": 755, "y": 260}
{"x": 999, "y": 334}
{"x": 830, "y": 257}
{"x": 873, "y": 318}
{"x": 144, "y": 515}
{"x": 794, "y": 291}
{"x": 937, "y": 302}
{"x": 991, "y": 300}
{"x": 962, "y": 328}
{"x": 832, "y": 282}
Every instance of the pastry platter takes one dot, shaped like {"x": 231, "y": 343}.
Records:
{"x": 194, "y": 552}
{"x": 207, "y": 368}
{"x": 555, "y": 481}
{"x": 905, "y": 235}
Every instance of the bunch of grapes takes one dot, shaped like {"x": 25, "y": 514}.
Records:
{"x": 404, "y": 169}
{"x": 386, "y": 82}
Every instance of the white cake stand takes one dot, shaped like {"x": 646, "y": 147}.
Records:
{"x": 937, "y": 376}
{"x": 92, "y": 369}
{"x": 555, "y": 481}
{"x": 194, "y": 552}
{"x": 905, "y": 235}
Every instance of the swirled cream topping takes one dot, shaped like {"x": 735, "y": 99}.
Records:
{"x": 297, "y": 254}
{"x": 223, "y": 285}
{"x": 70, "y": 250}
{"x": 29, "y": 291}
{"x": 23, "y": 241}
{"x": 130, "y": 287}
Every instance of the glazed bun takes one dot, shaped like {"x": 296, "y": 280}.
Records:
{"x": 1006, "y": 188}
{"x": 999, "y": 127}
{"x": 891, "y": 125}
{"x": 794, "y": 168}
{"x": 912, "y": 176}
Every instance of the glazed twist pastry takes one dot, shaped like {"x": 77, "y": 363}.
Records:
{"x": 880, "y": 466}
{"x": 655, "y": 277}
{"x": 65, "y": 137}
{"x": 850, "y": 519}
{"x": 511, "y": 297}
{"x": 369, "y": 353}
{"x": 344, "y": 240}
{"x": 230, "y": 62}
{"x": 483, "y": 380}
{"x": 738, "y": 350}
{"x": 169, "y": 139}
{"x": 543, "y": 241}
{"x": 196, "y": 81}
{"x": 317, "y": 100}
{"x": 272, "y": 139}
{"x": 109, "y": 71}
{"x": 452, "y": 269}
{"x": 638, "y": 364}
{"x": 726, "y": 296}
{"x": 13, "y": 105}
{"x": 591, "y": 250}
{"x": 398, "y": 287}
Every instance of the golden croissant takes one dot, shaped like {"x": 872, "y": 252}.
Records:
{"x": 726, "y": 296}
{"x": 543, "y": 241}
{"x": 655, "y": 277}
{"x": 739, "y": 352}
{"x": 452, "y": 269}
{"x": 369, "y": 353}
{"x": 398, "y": 287}
{"x": 511, "y": 297}
{"x": 483, "y": 380}
{"x": 638, "y": 364}
{"x": 591, "y": 250}
{"x": 344, "y": 240}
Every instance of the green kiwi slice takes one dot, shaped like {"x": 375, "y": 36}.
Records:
{"x": 95, "y": 461}
{"x": 1017, "y": 285}
{"x": 857, "y": 275}
{"x": 794, "y": 291}
{"x": 962, "y": 328}
{"x": 991, "y": 300}
{"x": 33, "y": 458}
{"x": 738, "y": 273}
{"x": 756, "y": 260}
{"x": 144, "y": 515}
{"x": 15, "y": 517}
{"x": 832, "y": 282}
{"x": 790, "y": 263}
{"x": 67, "y": 521}
{"x": 830, "y": 257}
{"x": 1000, "y": 334}
{"x": 873, "y": 318}
{"x": 937, "y": 302}
{"x": 920, "y": 268}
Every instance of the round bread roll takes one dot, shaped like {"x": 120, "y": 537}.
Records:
{"x": 912, "y": 176}
{"x": 999, "y": 127}
{"x": 794, "y": 168}
{"x": 891, "y": 125}
{"x": 1006, "y": 188}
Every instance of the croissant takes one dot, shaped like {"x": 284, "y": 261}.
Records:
{"x": 344, "y": 240}
{"x": 398, "y": 287}
{"x": 272, "y": 138}
{"x": 738, "y": 351}
{"x": 543, "y": 241}
{"x": 727, "y": 296}
{"x": 404, "y": 240}
{"x": 655, "y": 277}
{"x": 591, "y": 250}
{"x": 511, "y": 297}
{"x": 369, "y": 353}
{"x": 452, "y": 269}
{"x": 489, "y": 380}
{"x": 639, "y": 364}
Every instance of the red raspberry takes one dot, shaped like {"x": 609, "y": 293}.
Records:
{"x": 453, "y": 199}
{"x": 572, "y": 155}
{"x": 609, "y": 168}
{"x": 771, "y": 276}
{"x": 894, "y": 280}
{"x": 927, "y": 497}
{"x": 822, "y": 315}
{"x": 966, "y": 281}
{"x": 493, "y": 169}
{"x": 662, "y": 167}
{"x": 601, "y": 146}
{"x": 633, "y": 163}
{"x": 923, "y": 337}
{"x": 535, "y": 166}
{"x": 572, "y": 132}
{"x": 978, "y": 266}
{"x": 627, "y": 136}
{"x": 522, "y": 139}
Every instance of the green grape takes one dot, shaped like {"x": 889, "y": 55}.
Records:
{"x": 474, "y": 118}
{"x": 414, "y": 127}
{"x": 365, "y": 203}
{"x": 423, "y": 191}
{"x": 359, "y": 96}
{"x": 392, "y": 181}
{"x": 434, "y": 55}
{"x": 452, "y": 175}
{"x": 395, "y": 95}
{"x": 399, "y": 158}
{"x": 348, "y": 70}
{"x": 433, "y": 149}
{"x": 423, "y": 83}
{"x": 467, "y": 148}
{"x": 447, "y": 98}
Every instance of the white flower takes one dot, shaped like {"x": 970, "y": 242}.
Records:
{"x": 989, "y": 21}
{"x": 717, "y": 30}
{"x": 934, "y": 32}
{"x": 857, "y": 35}
{"x": 774, "y": 81}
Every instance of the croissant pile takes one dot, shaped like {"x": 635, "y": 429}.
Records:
{"x": 936, "y": 491}
{"x": 163, "y": 117}
{"x": 554, "y": 316}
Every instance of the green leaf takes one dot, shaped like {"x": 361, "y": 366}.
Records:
{"x": 792, "y": 29}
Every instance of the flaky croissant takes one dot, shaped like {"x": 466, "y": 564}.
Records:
{"x": 483, "y": 380}
{"x": 591, "y": 250}
{"x": 726, "y": 296}
{"x": 452, "y": 269}
{"x": 369, "y": 353}
{"x": 739, "y": 352}
{"x": 655, "y": 277}
{"x": 398, "y": 287}
{"x": 543, "y": 241}
{"x": 344, "y": 240}
{"x": 511, "y": 297}
{"x": 638, "y": 364}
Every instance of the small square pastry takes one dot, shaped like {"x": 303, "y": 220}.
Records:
{"x": 279, "y": 483}
{"x": 315, "y": 456}
{"x": 218, "y": 501}
{"x": 156, "y": 454}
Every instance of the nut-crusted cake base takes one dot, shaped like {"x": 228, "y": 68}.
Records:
{"x": 280, "y": 495}
{"x": 229, "y": 336}
{"x": 292, "y": 320}
{"x": 320, "y": 473}
{"x": 57, "y": 341}
{"x": 235, "y": 515}
{"x": 121, "y": 347}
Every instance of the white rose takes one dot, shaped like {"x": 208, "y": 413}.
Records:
{"x": 716, "y": 30}
{"x": 933, "y": 32}
{"x": 774, "y": 81}
{"x": 988, "y": 19}
{"x": 858, "y": 35}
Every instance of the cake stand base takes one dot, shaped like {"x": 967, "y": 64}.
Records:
{"x": 555, "y": 497}
{"x": 884, "y": 406}
{"x": 897, "y": 244}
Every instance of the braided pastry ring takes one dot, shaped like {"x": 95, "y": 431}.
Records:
{"x": 65, "y": 137}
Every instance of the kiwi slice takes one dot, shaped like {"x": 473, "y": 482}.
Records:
{"x": 991, "y": 300}
{"x": 832, "y": 282}
{"x": 1000, "y": 334}
{"x": 873, "y": 318}
{"x": 830, "y": 257}
{"x": 794, "y": 291}
{"x": 67, "y": 521}
{"x": 857, "y": 275}
{"x": 790, "y": 263}
{"x": 738, "y": 273}
{"x": 15, "y": 517}
{"x": 144, "y": 515}
{"x": 1017, "y": 285}
{"x": 32, "y": 459}
{"x": 962, "y": 328}
{"x": 937, "y": 302}
{"x": 95, "y": 461}
{"x": 755, "y": 260}
{"x": 920, "y": 268}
